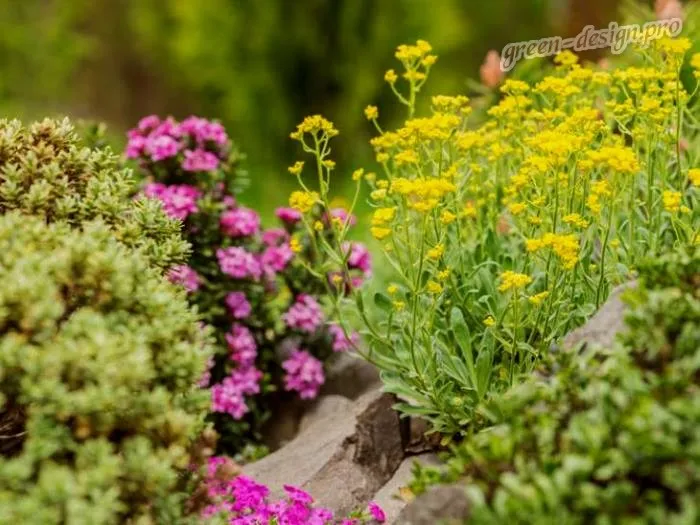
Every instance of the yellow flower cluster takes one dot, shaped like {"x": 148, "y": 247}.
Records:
{"x": 314, "y": 125}
{"x": 618, "y": 158}
{"x": 513, "y": 281}
{"x": 303, "y": 201}
{"x": 565, "y": 246}
{"x": 422, "y": 194}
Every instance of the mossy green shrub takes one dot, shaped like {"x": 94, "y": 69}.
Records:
{"x": 99, "y": 360}
{"x": 46, "y": 170}
{"x": 601, "y": 436}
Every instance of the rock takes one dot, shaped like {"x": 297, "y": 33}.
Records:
{"x": 323, "y": 408}
{"x": 281, "y": 429}
{"x": 440, "y": 504}
{"x": 350, "y": 376}
{"x": 341, "y": 459}
{"x": 388, "y": 497}
{"x": 603, "y": 327}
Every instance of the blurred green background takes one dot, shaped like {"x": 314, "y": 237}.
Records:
{"x": 259, "y": 66}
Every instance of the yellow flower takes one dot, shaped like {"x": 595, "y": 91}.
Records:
{"x": 303, "y": 201}
{"x": 566, "y": 58}
{"x": 537, "y": 299}
{"x": 447, "y": 217}
{"x": 615, "y": 243}
{"x": 694, "y": 174}
{"x": 371, "y": 177}
{"x": 380, "y": 233}
{"x": 576, "y": 220}
{"x": 337, "y": 279}
{"x": 399, "y": 305}
{"x": 517, "y": 208}
{"x": 434, "y": 287}
{"x": 313, "y": 125}
{"x": 436, "y": 252}
{"x": 295, "y": 245}
{"x": 378, "y": 195}
{"x": 429, "y": 60}
{"x": 371, "y": 112}
{"x": 357, "y": 174}
{"x": 318, "y": 226}
{"x": 695, "y": 62}
{"x": 329, "y": 164}
{"x": 392, "y": 289}
{"x": 444, "y": 274}
{"x": 383, "y": 215}
{"x": 296, "y": 169}
{"x": 390, "y": 76}
{"x": 489, "y": 321}
{"x": 672, "y": 201}
{"x": 513, "y": 281}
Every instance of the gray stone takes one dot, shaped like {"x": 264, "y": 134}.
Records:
{"x": 603, "y": 328}
{"x": 350, "y": 376}
{"x": 323, "y": 408}
{"x": 341, "y": 459}
{"x": 441, "y": 504}
{"x": 389, "y": 496}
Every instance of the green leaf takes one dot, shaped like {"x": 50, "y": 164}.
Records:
{"x": 383, "y": 302}
{"x": 463, "y": 338}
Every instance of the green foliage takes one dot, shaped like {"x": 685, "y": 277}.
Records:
{"x": 46, "y": 171}
{"x": 99, "y": 357}
{"x": 600, "y": 436}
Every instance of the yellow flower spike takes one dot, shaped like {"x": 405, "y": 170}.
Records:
{"x": 371, "y": 112}
{"x": 489, "y": 321}
{"x": 303, "y": 201}
{"x": 297, "y": 168}
{"x": 380, "y": 233}
{"x": 434, "y": 288}
{"x": 672, "y": 201}
{"x": 694, "y": 174}
{"x": 537, "y": 299}
{"x": 436, "y": 252}
{"x": 390, "y": 76}
{"x": 447, "y": 217}
{"x": 513, "y": 281}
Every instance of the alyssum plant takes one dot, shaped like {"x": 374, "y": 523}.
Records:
{"x": 504, "y": 237}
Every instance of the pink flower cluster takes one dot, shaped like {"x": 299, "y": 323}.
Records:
{"x": 241, "y": 342}
{"x": 238, "y": 305}
{"x": 304, "y": 374}
{"x": 198, "y": 144}
{"x": 185, "y": 277}
{"x": 179, "y": 200}
{"x": 239, "y": 263}
{"x": 243, "y": 501}
{"x": 341, "y": 342}
{"x": 240, "y": 222}
{"x": 229, "y": 395}
{"x": 304, "y": 315}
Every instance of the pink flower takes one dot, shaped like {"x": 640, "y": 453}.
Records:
{"x": 342, "y": 214}
{"x": 288, "y": 215}
{"x": 341, "y": 343}
{"x": 376, "y": 512}
{"x": 161, "y": 147}
{"x": 304, "y": 374}
{"x": 135, "y": 147}
{"x": 242, "y": 345}
{"x": 276, "y": 258}
{"x": 359, "y": 257}
{"x": 228, "y": 396}
{"x": 203, "y": 130}
{"x": 238, "y": 263}
{"x": 200, "y": 160}
{"x": 241, "y": 222}
{"x": 297, "y": 495}
{"x": 184, "y": 276}
{"x": 148, "y": 124}
{"x": 304, "y": 315}
{"x": 274, "y": 236}
{"x": 238, "y": 305}
{"x": 179, "y": 200}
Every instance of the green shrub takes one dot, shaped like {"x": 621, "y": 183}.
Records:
{"x": 45, "y": 171}
{"x": 99, "y": 357}
{"x": 601, "y": 436}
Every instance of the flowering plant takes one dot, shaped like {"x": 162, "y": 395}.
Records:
{"x": 256, "y": 286}
{"x": 505, "y": 237}
{"x": 236, "y": 499}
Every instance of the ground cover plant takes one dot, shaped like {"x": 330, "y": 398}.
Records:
{"x": 257, "y": 287}
{"x": 99, "y": 360}
{"x": 599, "y": 435}
{"x": 505, "y": 237}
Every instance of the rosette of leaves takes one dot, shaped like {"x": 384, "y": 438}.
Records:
{"x": 99, "y": 359}
{"x": 45, "y": 170}
{"x": 601, "y": 435}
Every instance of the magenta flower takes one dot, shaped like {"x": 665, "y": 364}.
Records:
{"x": 229, "y": 395}
{"x": 241, "y": 222}
{"x": 179, "y": 200}
{"x": 342, "y": 214}
{"x": 242, "y": 344}
{"x": 238, "y": 305}
{"x": 341, "y": 343}
{"x": 161, "y": 147}
{"x": 200, "y": 160}
{"x": 304, "y": 374}
{"x": 203, "y": 130}
{"x": 288, "y": 215}
{"x": 276, "y": 258}
{"x": 274, "y": 237}
{"x": 148, "y": 124}
{"x": 239, "y": 263}
{"x": 304, "y": 315}
{"x": 185, "y": 277}
{"x": 135, "y": 147}
{"x": 359, "y": 257}
{"x": 376, "y": 512}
